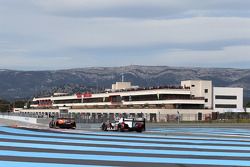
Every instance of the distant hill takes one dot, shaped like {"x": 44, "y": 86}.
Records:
{"x": 26, "y": 84}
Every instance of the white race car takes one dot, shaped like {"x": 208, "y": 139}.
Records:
{"x": 125, "y": 124}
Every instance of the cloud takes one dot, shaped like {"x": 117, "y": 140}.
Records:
{"x": 51, "y": 34}
{"x": 97, "y": 33}
{"x": 143, "y": 8}
{"x": 231, "y": 56}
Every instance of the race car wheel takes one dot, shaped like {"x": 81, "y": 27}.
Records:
{"x": 51, "y": 125}
{"x": 120, "y": 129}
{"x": 104, "y": 127}
{"x": 56, "y": 126}
{"x": 139, "y": 130}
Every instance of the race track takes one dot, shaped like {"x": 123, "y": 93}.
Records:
{"x": 163, "y": 147}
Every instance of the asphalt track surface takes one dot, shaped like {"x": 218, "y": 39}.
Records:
{"x": 175, "y": 147}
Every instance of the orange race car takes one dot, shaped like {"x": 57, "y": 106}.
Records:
{"x": 68, "y": 123}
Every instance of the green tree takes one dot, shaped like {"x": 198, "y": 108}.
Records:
{"x": 248, "y": 105}
{"x": 4, "y": 106}
{"x": 19, "y": 104}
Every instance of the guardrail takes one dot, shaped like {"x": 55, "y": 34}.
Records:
{"x": 87, "y": 118}
{"x": 19, "y": 118}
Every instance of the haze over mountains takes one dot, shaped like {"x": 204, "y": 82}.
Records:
{"x": 26, "y": 84}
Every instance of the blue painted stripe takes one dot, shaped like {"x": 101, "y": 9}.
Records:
{"x": 238, "y": 137}
{"x": 123, "y": 134}
{"x": 225, "y": 131}
{"x": 169, "y": 136}
{"x": 207, "y": 132}
{"x": 37, "y": 164}
{"x": 204, "y": 129}
{"x": 127, "y": 158}
{"x": 123, "y": 143}
{"x": 194, "y": 130}
{"x": 20, "y": 131}
{"x": 123, "y": 150}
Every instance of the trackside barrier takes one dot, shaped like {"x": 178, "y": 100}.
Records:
{"x": 18, "y": 118}
{"x": 86, "y": 119}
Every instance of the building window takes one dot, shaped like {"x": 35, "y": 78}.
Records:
{"x": 225, "y": 106}
{"x": 226, "y": 97}
{"x": 206, "y": 100}
{"x": 193, "y": 85}
{"x": 206, "y": 90}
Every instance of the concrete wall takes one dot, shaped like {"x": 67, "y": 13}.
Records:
{"x": 18, "y": 118}
{"x": 45, "y": 121}
{"x": 155, "y": 114}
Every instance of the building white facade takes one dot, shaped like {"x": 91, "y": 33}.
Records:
{"x": 200, "y": 88}
{"x": 121, "y": 85}
{"x": 247, "y": 109}
{"x": 228, "y": 99}
{"x": 193, "y": 100}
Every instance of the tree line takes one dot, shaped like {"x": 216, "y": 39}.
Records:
{"x": 7, "y": 106}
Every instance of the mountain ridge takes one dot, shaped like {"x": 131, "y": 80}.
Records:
{"x": 17, "y": 84}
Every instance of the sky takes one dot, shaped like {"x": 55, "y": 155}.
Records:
{"x": 63, "y": 34}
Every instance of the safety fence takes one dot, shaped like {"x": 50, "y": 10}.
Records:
{"x": 243, "y": 117}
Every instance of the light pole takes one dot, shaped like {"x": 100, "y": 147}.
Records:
{"x": 178, "y": 117}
